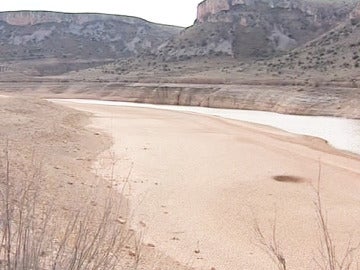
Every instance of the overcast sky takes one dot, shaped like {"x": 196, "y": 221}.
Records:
{"x": 175, "y": 12}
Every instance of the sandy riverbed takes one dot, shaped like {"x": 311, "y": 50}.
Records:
{"x": 197, "y": 183}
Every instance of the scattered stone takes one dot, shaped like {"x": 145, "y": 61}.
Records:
{"x": 132, "y": 253}
{"x": 197, "y": 251}
{"x": 93, "y": 203}
{"x": 142, "y": 223}
{"x": 121, "y": 221}
{"x": 43, "y": 254}
{"x": 151, "y": 245}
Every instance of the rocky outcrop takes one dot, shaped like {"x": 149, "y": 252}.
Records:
{"x": 22, "y": 18}
{"x": 255, "y": 29}
{"x": 210, "y": 7}
{"x": 319, "y": 10}
{"x": 32, "y": 35}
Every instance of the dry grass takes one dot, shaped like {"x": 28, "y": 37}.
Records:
{"x": 328, "y": 258}
{"x": 36, "y": 235}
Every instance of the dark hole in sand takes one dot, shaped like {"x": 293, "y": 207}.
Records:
{"x": 288, "y": 179}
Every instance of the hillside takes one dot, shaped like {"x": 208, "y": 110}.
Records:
{"x": 253, "y": 29}
{"x": 76, "y": 38}
{"x": 334, "y": 54}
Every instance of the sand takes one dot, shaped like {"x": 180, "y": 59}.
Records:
{"x": 52, "y": 140}
{"x": 197, "y": 184}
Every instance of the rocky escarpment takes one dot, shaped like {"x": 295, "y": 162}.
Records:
{"x": 319, "y": 10}
{"x": 37, "y": 17}
{"x": 256, "y": 28}
{"x": 40, "y": 35}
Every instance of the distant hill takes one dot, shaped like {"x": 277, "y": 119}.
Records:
{"x": 33, "y": 35}
{"x": 228, "y": 36}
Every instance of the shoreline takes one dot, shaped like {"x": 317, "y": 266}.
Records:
{"x": 164, "y": 193}
{"x": 193, "y": 110}
{"x": 294, "y": 100}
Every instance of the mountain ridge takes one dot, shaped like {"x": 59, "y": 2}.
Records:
{"x": 5, "y": 14}
{"x": 74, "y": 37}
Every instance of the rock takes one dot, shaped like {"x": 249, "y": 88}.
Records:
{"x": 121, "y": 221}
{"x": 142, "y": 223}
{"x": 210, "y": 7}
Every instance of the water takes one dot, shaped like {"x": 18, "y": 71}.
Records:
{"x": 341, "y": 133}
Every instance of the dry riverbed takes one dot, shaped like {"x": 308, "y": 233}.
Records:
{"x": 52, "y": 148}
{"x": 196, "y": 184}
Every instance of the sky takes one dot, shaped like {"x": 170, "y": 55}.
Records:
{"x": 174, "y": 12}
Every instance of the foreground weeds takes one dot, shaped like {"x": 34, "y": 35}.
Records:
{"x": 37, "y": 234}
{"x": 328, "y": 258}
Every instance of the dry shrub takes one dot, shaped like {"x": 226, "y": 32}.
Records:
{"x": 329, "y": 259}
{"x": 35, "y": 234}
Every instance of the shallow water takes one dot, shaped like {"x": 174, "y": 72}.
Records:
{"x": 341, "y": 133}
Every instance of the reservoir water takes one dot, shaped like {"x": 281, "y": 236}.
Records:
{"x": 341, "y": 133}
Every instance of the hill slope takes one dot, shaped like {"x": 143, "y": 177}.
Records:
{"x": 335, "y": 53}
{"x": 26, "y": 35}
{"x": 252, "y": 29}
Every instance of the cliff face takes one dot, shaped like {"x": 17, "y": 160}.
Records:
{"x": 210, "y": 7}
{"x": 22, "y": 18}
{"x": 35, "y": 35}
{"x": 252, "y": 29}
{"x": 319, "y": 10}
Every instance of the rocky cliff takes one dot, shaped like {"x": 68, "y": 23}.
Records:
{"x": 22, "y": 18}
{"x": 318, "y": 10}
{"x": 31, "y": 35}
{"x": 210, "y": 7}
{"x": 256, "y": 28}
